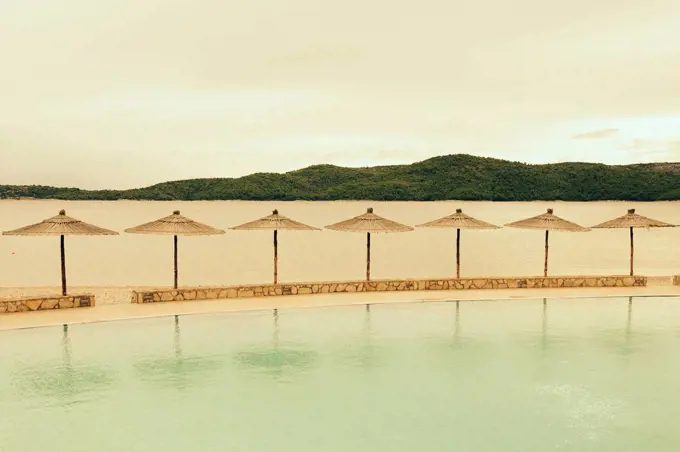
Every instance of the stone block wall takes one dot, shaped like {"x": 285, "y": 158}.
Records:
{"x": 45, "y": 302}
{"x": 271, "y": 290}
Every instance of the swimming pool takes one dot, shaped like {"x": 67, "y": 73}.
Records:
{"x": 517, "y": 375}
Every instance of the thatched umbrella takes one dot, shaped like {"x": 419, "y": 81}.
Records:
{"x": 547, "y": 222}
{"x": 632, "y": 220}
{"x": 61, "y": 225}
{"x": 175, "y": 225}
{"x": 275, "y": 222}
{"x": 458, "y": 221}
{"x": 369, "y": 223}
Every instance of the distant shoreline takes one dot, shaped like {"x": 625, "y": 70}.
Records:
{"x": 453, "y": 177}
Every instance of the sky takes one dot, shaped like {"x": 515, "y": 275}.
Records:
{"x": 128, "y": 93}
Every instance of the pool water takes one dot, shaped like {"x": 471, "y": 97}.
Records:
{"x": 517, "y": 375}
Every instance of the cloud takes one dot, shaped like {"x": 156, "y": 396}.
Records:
{"x": 595, "y": 134}
{"x": 318, "y": 56}
{"x": 653, "y": 150}
{"x": 645, "y": 145}
{"x": 100, "y": 93}
{"x": 384, "y": 154}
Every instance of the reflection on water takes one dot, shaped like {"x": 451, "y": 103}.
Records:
{"x": 64, "y": 380}
{"x": 629, "y": 325}
{"x": 178, "y": 371}
{"x": 61, "y": 381}
{"x": 364, "y": 352}
{"x": 564, "y": 375}
{"x": 276, "y": 359}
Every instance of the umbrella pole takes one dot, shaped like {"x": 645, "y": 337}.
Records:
{"x": 632, "y": 251}
{"x": 545, "y": 262}
{"x": 458, "y": 253}
{"x": 368, "y": 256}
{"x": 276, "y": 257}
{"x": 63, "y": 266}
{"x": 175, "y": 259}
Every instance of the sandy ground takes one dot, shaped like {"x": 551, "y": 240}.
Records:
{"x": 120, "y": 311}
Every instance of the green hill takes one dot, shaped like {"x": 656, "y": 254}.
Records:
{"x": 448, "y": 177}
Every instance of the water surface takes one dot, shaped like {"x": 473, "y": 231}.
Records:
{"x": 574, "y": 375}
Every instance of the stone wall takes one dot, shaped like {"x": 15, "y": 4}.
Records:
{"x": 45, "y": 302}
{"x": 270, "y": 290}
{"x": 676, "y": 280}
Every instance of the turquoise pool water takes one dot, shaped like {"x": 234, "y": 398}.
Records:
{"x": 521, "y": 375}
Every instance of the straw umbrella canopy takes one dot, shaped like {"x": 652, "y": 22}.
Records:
{"x": 175, "y": 225}
{"x": 275, "y": 222}
{"x": 61, "y": 225}
{"x": 629, "y": 221}
{"x": 547, "y": 222}
{"x": 459, "y": 221}
{"x": 369, "y": 223}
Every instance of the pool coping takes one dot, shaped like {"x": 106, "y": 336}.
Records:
{"x": 120, "y": 312}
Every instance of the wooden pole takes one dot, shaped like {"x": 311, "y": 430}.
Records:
{"x": 276, "y": 257}
{"x": 458, "y": 253}
{"x": 368, "y": 256}
{"x": 545, "y": 262}
{"x": 175, "y": 258}
{"x": 63, "y": 266}
{"x": 632, "y": 251}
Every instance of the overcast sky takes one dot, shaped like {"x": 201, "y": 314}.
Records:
{"x": 127, "y": 93}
